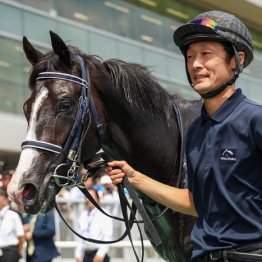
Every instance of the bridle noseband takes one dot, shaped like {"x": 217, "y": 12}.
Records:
{"x": 72, "y": 147}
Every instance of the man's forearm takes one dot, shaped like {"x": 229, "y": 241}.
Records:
{"x": 175, "y": 198}
{"x": 21, "y": 241}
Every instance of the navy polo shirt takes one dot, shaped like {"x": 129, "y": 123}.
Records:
{"x": 224, "y": 157}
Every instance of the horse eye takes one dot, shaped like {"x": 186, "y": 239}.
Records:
{"x": 65, "y": 106}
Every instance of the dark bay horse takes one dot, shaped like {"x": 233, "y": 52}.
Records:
{"x": 136, "y": 120}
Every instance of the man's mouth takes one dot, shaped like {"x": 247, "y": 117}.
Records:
{"x": 199, "y": 78}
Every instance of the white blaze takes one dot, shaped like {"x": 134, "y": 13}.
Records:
{"x": 28, "y": 154}
{"x": 31, "y": 134}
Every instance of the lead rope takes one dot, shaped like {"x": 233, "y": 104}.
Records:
{"x": 128, "y": 222}
{"x": 147, "y": 221}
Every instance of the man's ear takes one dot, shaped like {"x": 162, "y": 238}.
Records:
{"x": 233, "y": 63}
{"x": 241, "y": 58}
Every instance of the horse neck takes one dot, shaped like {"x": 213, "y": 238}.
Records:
{"x": 147, "y": 143}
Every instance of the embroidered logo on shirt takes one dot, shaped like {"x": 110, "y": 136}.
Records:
{"x": 228, "y": 155}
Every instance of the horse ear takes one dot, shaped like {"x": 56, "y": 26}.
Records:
{"x": 60, "y": 48}
{"x": 32, "y": 54}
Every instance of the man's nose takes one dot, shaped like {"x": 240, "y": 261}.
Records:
{"x": 197, "y": 63}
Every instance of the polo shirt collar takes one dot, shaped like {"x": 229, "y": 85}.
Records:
{"x": 225, "y": 109}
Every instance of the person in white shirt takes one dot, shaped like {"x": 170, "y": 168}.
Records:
{"x": 11, "y": 231}
{"x": 93, "y": 224}
{"x": 5, "y": 177}
{"x": 109, "y": 198}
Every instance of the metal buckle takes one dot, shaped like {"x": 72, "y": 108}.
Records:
{"x": 215, "y": 256}
{"x": 69, "y": 178}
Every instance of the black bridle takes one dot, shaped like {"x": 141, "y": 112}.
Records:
{"x": 72, "y": 147}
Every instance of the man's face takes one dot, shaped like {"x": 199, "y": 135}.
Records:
{"x": 207, "y": 65}
{"x": 3, "y": 201}
{"x": 4, "y": 181}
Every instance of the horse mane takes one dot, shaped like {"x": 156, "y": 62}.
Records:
{"x": 140, "y": 87}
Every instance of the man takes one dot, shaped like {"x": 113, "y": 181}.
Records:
{"x": 93, "y": 224}
{"x": 5, "y": 178}
{"x": 223, "y": 145}
{"x": 11, "y": 231}
{"x": 39, "y": 234}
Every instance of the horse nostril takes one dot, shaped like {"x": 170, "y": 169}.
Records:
{"x": 29, "y": 192}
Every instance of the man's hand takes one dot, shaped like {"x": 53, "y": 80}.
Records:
{"x": 118, "y": 169}
{"x": 98, "y": 258}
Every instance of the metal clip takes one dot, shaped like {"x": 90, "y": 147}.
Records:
{"x": 215, "y": 256}
{"x": 72, "y": 155}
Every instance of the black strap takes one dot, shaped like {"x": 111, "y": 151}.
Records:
{"x": 232, "y": 255}
{"x": 147, "y": 221}
{"x": 90, "y": 239}
{"x": 124, "y": 204}
{"x": 182, "y": 143}
{"x": 91, "y": 199}
{"x": 149, "y": 226}
{"x": 128, "y": 221}
{"x": 218, "y": 90}
{"x": 250, "y": 247}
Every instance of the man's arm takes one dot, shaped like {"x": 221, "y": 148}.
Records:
{"x": 21, "y": 241}
{"x": 178, "y": 199}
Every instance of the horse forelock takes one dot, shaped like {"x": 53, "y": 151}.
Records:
{"x": 140, "y": 88}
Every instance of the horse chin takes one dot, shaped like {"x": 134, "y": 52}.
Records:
{"x": 42, "y": 201}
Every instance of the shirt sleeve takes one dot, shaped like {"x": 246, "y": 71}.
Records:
{"x": 189, "y": 175}
{"x": 107, "y": 236}
{"x": 79, "y": 250}
{"x": 18, "y": 224}
{"x": 257, "y": 131}
{"x": 187, "y": 165}
{"x": 81, "y": 244}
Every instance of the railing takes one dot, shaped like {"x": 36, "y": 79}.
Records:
{"x": 66, "y": 241}
{"x": 121, "y": 251}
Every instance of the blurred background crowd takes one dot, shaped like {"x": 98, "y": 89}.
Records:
{"x": 44, "y": 237}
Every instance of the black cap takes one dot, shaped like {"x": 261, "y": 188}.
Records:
{"x": 226, "y": 27}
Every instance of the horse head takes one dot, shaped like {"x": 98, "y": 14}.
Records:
{"x": 58, "y": 113}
